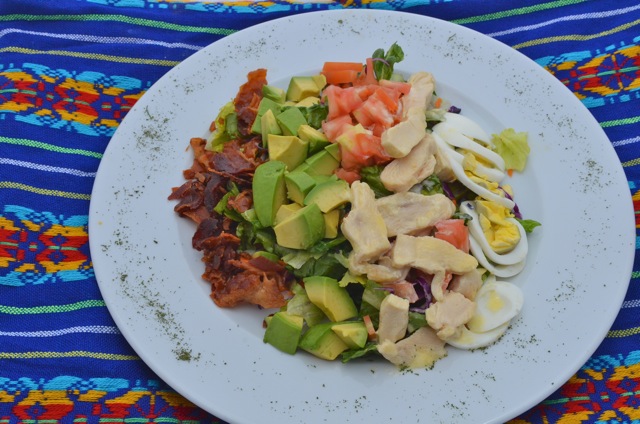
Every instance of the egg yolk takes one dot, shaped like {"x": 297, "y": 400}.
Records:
{"x": 501, "y": 234}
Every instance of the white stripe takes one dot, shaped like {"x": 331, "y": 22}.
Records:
{"x": 594, "y": 15}
{"x": 96, "y": 329}
{"x": 47, "y": 168}
{"x": 631, "y": 303}
{"x": 96, "y": 39}
{"x": 625, "y": 142}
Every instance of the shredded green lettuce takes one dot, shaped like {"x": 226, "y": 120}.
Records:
{"x": 226, "y": 127}
{"x": 513, "y": 147}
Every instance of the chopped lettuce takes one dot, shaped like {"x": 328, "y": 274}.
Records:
{"x": 513, "y": 147}
{"x": 226, "y": 127}
{"x": 369, "y": 348}
{"x": 371, "y": 176}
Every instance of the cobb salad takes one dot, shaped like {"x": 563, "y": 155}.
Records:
{"x": 366, "y": 213}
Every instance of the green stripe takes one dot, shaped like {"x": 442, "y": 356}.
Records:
{"x": 118, "y": 18}
{"x": 632, "y": 162}
{"x": 44, "y": 191}
{"x": 51, "y": 309}
{"x": 635, "y": 274}
{"x": 518, "y": 11}
{"x": 625, "y": 121}
{"x": 94, "y": 56}
{"x": 50, "y": 147}
{"x": 72, "y": 354}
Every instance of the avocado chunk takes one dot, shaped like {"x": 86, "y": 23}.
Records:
{"x": 322, "y": 342}
{"x": 290, "y": 120}
{"x": 284, "y": 331}
{"x": 269, "y": 191}
{"x": 301, "y": 87}
{"x": 333, "y": 300}
{"x": 302, "y": 229}
{"x": 274, "y": 93}
{"x": 286, "y": 211}
{"x": 308, "y": 101}
{"x": 334, "y": 150}
{"x": 265, "y": 105}
{"x": 269, "y": 125}
{"x": 288, "y": 149}
{"x": 329, "y": 195}
{"x": 300, "y": 304}
{"x": 299, "y": 184}
{"x": 331, "y": 221}
{"x": 317, "y": 140}
{"x": 321, "y": 163}
{"x": 352, "y": 333}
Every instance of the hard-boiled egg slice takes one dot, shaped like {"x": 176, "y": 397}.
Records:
{"x": 502, "y": 271}
{"x": 516, "y": 255}
{"x": 454, "y": 137}
{"x": 497, "y": 302}
{"x": 468, "y": 127}
{"x": 470, "y": 340}
{"x": 455, "y": 161}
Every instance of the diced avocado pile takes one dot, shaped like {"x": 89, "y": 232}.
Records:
{"x": 296, "y": 192}
{"x": 329, "y": 313}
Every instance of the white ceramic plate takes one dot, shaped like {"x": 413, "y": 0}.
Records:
{"x": 576, "y": 278}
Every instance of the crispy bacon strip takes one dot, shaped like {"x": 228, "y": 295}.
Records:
{"x": 235, "y": 277}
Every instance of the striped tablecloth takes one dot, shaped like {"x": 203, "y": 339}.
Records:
{"x": 70, "y": 70}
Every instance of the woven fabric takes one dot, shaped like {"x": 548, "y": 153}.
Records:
{"x": 70, "y": 70}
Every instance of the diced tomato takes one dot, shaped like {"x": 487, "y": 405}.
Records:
{"x": 364, "y": 91}
{"x": 455, "y": 232}
{"x": 362, "y": 117}
{"x": 402, "y": 87}
{"x": 363, "y": 149}
{"x": 367, "y": 77}
{"x": 345, "y": 76}
{"x": 341, "y": 101}
{"x": 371, "y": 331}
{"x": 378, "y": 112}
{"x": 389, "y": 97}
{"x": 405, "y": 290}
{"x": 334, "y": 128}
{"x": 348, "y": 176}
{"x": 342, "y": 66}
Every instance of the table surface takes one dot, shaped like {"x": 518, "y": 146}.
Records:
{"x": 69, "y": 72}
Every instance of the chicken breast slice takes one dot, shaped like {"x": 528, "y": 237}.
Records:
{"x": 402, "y": 174}
{"x": 398, "y": 140}
{"x": 382, "y": 271}
{"x": 467, "y": 284}
{"x": 420, "y": 350}
{"x": 448, "y": 315}
{"x": 408, "y": 212}
{"x": 430, "y": 255}
{"x": 394, "y": 319}
{"x": 363, "y": 226}
{"x": 443, "y": 169}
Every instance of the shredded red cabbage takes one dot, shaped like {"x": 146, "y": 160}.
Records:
{"x": 454, "y": 109}
{"x": 516, "y": 210}
{"x": 447, "y": 190}
{"x": 423, "y": 289}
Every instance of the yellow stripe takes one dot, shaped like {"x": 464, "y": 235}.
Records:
{"x": 624, "y": 333}
{"x": 576, "y": 37}
{"x": 71, "y": 354}
{"x": 632, "y": 162}
{"x": 95, "y": 56}
{"x": 44, "y": 191}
